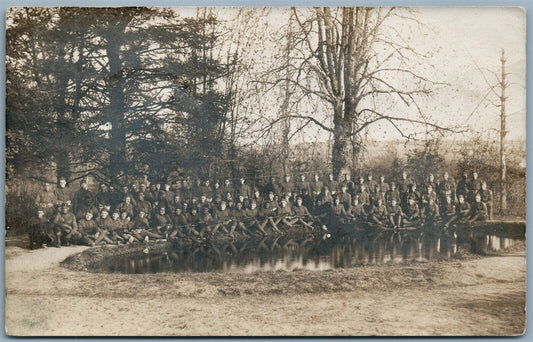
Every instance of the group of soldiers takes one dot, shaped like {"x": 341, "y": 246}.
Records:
{"x": 182, "y": 208}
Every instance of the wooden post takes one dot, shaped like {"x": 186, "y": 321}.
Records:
{"x": 503, "y": 132}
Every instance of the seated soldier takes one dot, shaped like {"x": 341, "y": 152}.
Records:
{"x": 337, "y": 214}
{"x": 412, "y": 213}
{"x": 395, "y": 214}
{"x": 431, "y": 212}
{"x": 40, "y": 232}
{"x": 105, "y": 227}
{"x": 140, "y": 228}
{"x": 222, "y": 218}
{"x": 88, "y": 228}
{"x": 378, "y": 214}
{"x": 252, "y": 214}
{"x": 116, "y": 228}
{"x": 161, "y": 222}
{"x": 126, "y": 231}
{"x": 357, "y": 211}
{"x": 238, "y": 217}
{"x": 462, "y": 210}
{"x": 448, "y": 212}
{"x": 270, "y": 210}
{"x": 65, "y": 226}
{"x": 486, "y": 197}
{"x": 479, "y": 210}
{"x": 179, "y": 224}
{"x": 284, "y": 214}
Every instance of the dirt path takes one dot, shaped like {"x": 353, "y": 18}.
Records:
{"x": 484, "y": 296}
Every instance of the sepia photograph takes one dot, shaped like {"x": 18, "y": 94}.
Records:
{"x": 265, "y": 171}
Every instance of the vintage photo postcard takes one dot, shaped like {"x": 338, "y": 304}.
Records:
{"x": 275, "y": 171}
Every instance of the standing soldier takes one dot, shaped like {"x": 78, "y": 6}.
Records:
{"x": 46, "y": 200}
{"x": 430, "y": 183}
{"x": 63, "y": 192}
{"x": 462, "y": 187}
{"x": 273, "y": 186}
{"x": 332, "y": 184}
{"x": 474, "y": 186}
{"x": 83, "y": 200}
{"x": 316, "y": 185}
{"x": 371, "y": 184}
{"x": 302, "y": 186}
{"x": 288, "y": 186}
{"x": 392, "y": 194}
{"x": 350, "y": 186}
{"x": 242, "y": 189}
{"x": 446, "y": 189}
{"x": 403, "y": 185}
{"x": 103, "y": 197}
{"x": 383, "y": 186}
{"x": 486, "y": 197}
{"x": 344, "y": 197}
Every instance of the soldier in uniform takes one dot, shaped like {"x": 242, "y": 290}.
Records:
{"x": 126, "y": 206}
{"x": 412, "y": 212}
{"x": 357, "y": 211}
{"x": 486, "y": 197}
{"x": 344, "y": 197}
{"x": 371, "y": 184}
{"x": 63, "y": 192}
{"x": 392, "y": 194}
{"x": 331, "y": 183}
{"x": 143, "y": 205}
{"x": 273, "y": 186}
{"x": 243, "y": 189}
{"x": 378, "y": 214}
{"x": 161, "y": 222}
{"x": 395, "y": 214}
{"x": 287, "y": 188}
{"x": 302, "y": 185}
{"x": 383, "y": 186}
{"x": 462, "y": 187}
{"x": 301, "y": 212}
{"x": 88, "y": 229}
{"x": 223, "y": 219}
{"x": 462, "y": 210}
{"x": 446, "y": 189}
{"x": 83, "y": 200}
{"x": 105, "y": 227}
{"x": 40, "y": 232}
{"x": 65, "y": 225}
{"x": 316, "y": 185}
{"x": 46, "y": 200}
{"x": 479, "y": 210}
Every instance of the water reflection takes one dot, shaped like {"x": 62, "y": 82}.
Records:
{"x": 284, "y": 253}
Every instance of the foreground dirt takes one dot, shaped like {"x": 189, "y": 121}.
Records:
{"x": 479, "y": 296}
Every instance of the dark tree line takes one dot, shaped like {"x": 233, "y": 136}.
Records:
{"x": 114, "y": 91}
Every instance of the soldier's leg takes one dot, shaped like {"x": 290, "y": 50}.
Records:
{"x": 302, "y": 221}
{"x": 286, "y": 222}
{"x": 273, "y": 225}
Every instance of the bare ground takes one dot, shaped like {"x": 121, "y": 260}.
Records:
{"x": 475, "y": 296}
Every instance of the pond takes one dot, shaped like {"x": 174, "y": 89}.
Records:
{"x": 284, "y": 253}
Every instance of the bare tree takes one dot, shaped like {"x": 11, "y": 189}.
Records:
{"x": 355, "y": 61}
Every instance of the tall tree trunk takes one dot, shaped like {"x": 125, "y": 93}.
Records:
{"x": 342, "y": 149}
{"x": 116, "y": 109}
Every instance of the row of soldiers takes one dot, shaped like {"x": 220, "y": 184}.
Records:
{"x": 143, "y": 211}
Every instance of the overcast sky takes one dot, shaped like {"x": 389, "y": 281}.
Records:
{"x": 467, "y": 43}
